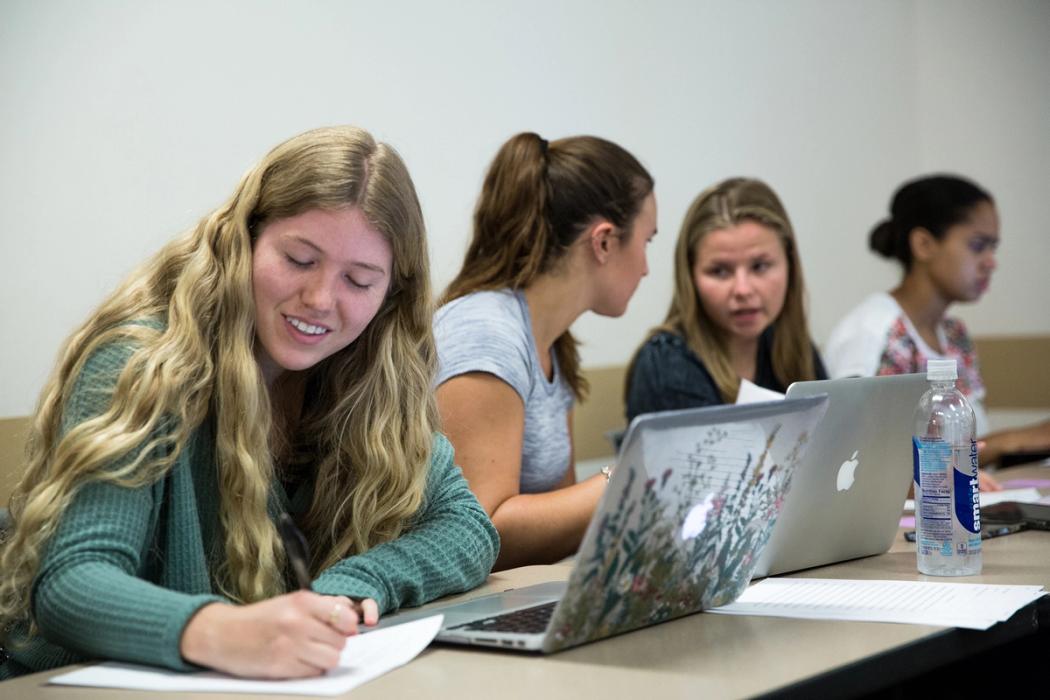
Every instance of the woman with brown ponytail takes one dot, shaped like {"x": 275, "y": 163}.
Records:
{"x": 560, "y": 229}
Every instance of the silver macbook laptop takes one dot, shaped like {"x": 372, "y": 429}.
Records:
{"x": 690, "y": 503}
{"x": 848, "y": 492}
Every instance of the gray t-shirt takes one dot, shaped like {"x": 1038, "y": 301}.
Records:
{"x": 492, "y": 332}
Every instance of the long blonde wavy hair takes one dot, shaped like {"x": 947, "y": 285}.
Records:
{"x": 723, "y": 206}
{"x": 367, "y": 421}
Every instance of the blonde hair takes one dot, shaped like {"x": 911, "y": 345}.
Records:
{"x": 368, "y": 417}
{"x": 723, "y": 206}
{"x": 537, "y": 199}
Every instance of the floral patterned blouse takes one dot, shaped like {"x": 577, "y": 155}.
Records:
{"x": 877, "y": 338}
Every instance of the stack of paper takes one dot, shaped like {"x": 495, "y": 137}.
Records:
{"x": 365, "y": 657}
{"x": 970, "y": 605}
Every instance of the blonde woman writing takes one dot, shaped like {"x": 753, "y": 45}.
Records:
{"x": 278, "y": 358}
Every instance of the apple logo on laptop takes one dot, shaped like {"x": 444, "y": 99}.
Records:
{"x": 696, "y": 520}
{"x": 845, "y": 478}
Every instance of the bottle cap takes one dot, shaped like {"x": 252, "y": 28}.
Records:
{"x": 941, "y": 371}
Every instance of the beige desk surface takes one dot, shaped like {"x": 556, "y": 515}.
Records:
{"x": 698, "y": 656}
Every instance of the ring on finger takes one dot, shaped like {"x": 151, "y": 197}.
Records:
{"x": 333, "y": 617}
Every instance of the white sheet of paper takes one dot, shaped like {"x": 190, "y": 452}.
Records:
{"x": 968, "y": 605}
{"x": 753, "y": 393}
{"x": 364, "y": 657}
{"x": 1029, "y": 495}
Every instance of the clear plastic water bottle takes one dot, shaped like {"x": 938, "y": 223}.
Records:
{"x": 947, "y": 503}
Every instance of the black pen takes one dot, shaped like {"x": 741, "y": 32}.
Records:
{"x": 295, "y": 548}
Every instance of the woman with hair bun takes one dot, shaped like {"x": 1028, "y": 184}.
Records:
{"x": 944, "y": 232}
{"x": 738, "y": 310}
{"x": 560, "y": 229}
{"x": 277, "y": 358}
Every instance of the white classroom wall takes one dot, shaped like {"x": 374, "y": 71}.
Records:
{"x": 124, "y": 121}
{"x": 984, "y": 108}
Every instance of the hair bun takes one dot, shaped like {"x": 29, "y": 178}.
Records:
{"x": 882, "y": 239}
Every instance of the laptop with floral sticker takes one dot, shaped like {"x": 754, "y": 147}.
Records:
{"x": 690, "y": 504}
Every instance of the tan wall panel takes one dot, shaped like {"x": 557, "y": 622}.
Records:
{"x": 13, "y": 432}
{"x": 602, "y": 412}
{"x": 1015, "y": 370}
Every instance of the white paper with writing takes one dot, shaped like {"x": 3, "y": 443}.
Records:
{"x": 968, "y": 605}
{"x": 365, "y": 657}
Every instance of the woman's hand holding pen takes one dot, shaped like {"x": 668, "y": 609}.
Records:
{"x": 291, "y": 636}
{"x": 295, "y": 635}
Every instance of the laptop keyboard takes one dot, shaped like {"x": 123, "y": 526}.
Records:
{"x": 525, "y": 621}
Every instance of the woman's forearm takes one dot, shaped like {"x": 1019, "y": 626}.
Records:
{"x": 545, "y": 527}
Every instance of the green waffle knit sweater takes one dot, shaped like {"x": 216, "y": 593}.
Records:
{"x": 128, "y": 567}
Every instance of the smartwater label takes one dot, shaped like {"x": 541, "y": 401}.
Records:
{"x": 933, "y": 496}
{"x": 932, "y": 459}
{"x": 947, "y": 492}
{"x": 967, "y": 490}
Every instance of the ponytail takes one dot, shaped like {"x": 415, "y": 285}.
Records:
{"x": 536, "y": 200}
{"x": 512, "y": 237}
